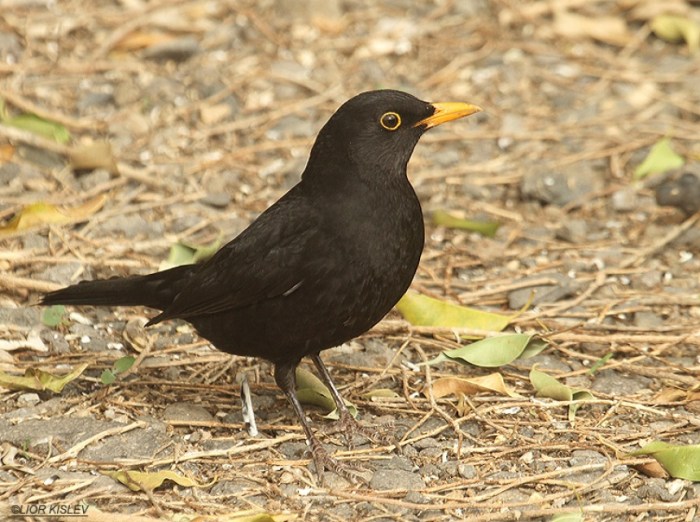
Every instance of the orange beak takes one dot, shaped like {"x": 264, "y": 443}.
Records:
{"x": 449, "y": 111}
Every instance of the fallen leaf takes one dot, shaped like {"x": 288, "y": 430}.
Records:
{"x": 380, "y": 393}
{"x": 679, "y": 461}
{"x": 547, "y": 386}
{"x": 661, "y": 158}
{"x": 675, "y": 28}
{"x": 187, "y": 254}
{"x": 40, "y": 380}
{"x": 311, "y": 390}
{"x": 494, "y": 351}
{"x": 421, "y": 310}
{"x": 149, "y": 480}
{"x": 609, "y": 29}
{"x": 91, "y": 156}
{"x": 574, "y": 516}
{"x": 652, "y": 469}
{"x": 670, "y": 395}
{"x": 53, "y": 315}
{"x": 445, "y": 219}
{"x": 38, "y": 214}
{"x": 142, "y": 39}
{"x": 36, "y": 125}
{"x": 7, "y": 151}
{"x": 492, "y": 383}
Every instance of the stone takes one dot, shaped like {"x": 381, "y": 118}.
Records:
{"x": 187, "y": 411}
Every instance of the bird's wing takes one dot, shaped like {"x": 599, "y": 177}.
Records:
{"x": 272, "y": 257}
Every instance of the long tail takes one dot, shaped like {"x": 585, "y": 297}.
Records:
{"x": 153, "y": 290}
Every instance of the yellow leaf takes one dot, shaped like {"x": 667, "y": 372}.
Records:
{"x": 38, "y": 214}
{"x": 456, "y": 385}
{"x": 421, "y": 310}
{"x": 674, "y": 28}
{"x": 380, "y": 393}
{"x": 485, "y": 228}
{"x": 311, "y": 390}
{"x": 149, "y": 480}
{"x": 40, "y": 380}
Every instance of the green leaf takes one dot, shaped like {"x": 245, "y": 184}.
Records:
{"x": 108, "y": 377}
{"x": 35, "y": 124}
{"x": 311, "y": 390}
{"x": 547, "y": 386}
{"x": 485, "y": 228}
{"x": 661, "y": 158}
{"x": 53, "y": 315}
{"x": 674, "y": 28}
{"x": 186, "y": 254}
{"x": 123, "y": 364}
{"x": 535, "y": 346}
{"x": 600, "y": 363}
{"x": 421, "y": 310}
{"x": 493, "y": 351}
{"x": 679, "y": 461}
{"x": 40, "y": 380}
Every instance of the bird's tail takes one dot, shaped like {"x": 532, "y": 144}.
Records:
{"x": 153, "y": 290}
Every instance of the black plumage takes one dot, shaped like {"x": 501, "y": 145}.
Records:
{"x": 322, "y": 265}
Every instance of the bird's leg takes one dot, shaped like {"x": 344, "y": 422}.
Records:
{"x": 285, "y": 378}
{"x": 348, "y": 425}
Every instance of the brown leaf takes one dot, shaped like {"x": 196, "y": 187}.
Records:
{"x": 670, "y": 395}
{"x": 142, "y": 40}
{"x": 492, "y": 383}
{"x": 97, "y": 155}
{"x": 651, "y": 469}
{"x": 7, "y": 151}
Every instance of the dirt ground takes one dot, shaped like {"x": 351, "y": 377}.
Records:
{"x": 210, "y": 108}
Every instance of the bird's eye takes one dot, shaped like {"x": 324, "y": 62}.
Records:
{"x": 390, "y": 121}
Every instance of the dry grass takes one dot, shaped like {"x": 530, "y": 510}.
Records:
{"x": 577, "y": 104}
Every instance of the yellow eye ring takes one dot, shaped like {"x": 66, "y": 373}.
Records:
{"x": 390, "y": 121}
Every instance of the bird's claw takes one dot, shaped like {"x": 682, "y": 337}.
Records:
{"x": 349, "y": 427}
{"x": 324, "y": 462}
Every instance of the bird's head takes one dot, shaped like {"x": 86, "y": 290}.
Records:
{"x": 376, "y": 131}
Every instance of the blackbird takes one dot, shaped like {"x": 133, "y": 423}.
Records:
{"x": 321, "y": 266}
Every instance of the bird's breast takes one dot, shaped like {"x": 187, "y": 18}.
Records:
{"x": 379, "y": 234}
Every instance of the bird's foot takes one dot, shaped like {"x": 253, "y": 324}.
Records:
{"x": 324, "y": 462}
{"x": 350, "y": 427}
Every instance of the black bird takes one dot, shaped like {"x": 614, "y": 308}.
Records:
{"x": 322, "y": 265}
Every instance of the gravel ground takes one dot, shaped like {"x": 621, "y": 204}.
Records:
{"x": 210, "y": 109}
